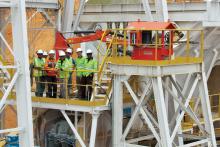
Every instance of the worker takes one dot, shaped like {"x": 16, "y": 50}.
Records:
{"x": 38, "y": 66}
{"x": 71, "y": 64}
{"x": 63, "y": 73}
{"x": 80, "y": 65}
{"x": 91, "y": 66}
{"x": 45, "y": 55}
{"x": 44, "y": 76}
{"x": 51, "y": 75}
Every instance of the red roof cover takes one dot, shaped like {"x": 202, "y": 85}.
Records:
{"x": 151, "y": 25}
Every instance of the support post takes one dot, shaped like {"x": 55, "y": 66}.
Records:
{"x": 117, "y": 111}
{"x": 95, "y": 117}
{"x": 161, "y": 112}
{"x": 23, "y": 87}
{"x": 161, "y": 10}
{"x": 203, "y": 91}
{"x": 68, "y": 15}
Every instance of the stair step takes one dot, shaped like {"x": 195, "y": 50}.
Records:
{"x": 102, "y": 87}
{"x": 106, "y": 79}
{"x": 100, "y": 96}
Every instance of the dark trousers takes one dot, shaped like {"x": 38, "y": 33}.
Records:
{"x": 87, "y": 87}
{"x": 39, "y": 86}
{"x": 44, "y": 84}
{"x": 70, "y": 84}
{"x": 79, "y": 86}
{"x": 52, "y": 86}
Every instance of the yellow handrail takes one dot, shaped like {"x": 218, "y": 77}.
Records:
{"x": 105, "y": 58}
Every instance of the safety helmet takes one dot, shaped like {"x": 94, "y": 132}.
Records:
{"x": 51, "y": 52}
{"x": 45, "y": 53}
{"x": 89, "y": 51}
{"x": 69, "y": 50}
{"x": 40, "y": 51}
{"x": 78, "y": 50}
{"x": 62, "y": 53}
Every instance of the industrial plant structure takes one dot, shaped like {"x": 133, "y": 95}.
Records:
{"x": 125, "y": 73}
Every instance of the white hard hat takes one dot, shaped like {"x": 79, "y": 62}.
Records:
{"x": 78, "y": 50}
{"x": 69, "y": 50}
{"x": 88, "y": 51}
{"x": 40, "y": 51}
{"x": 45, "y": 53}
{"x": 51, "y": 52}
{"x": 62, "y": 53}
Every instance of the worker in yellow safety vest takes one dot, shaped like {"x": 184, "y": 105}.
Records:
{"x": 71, "y": 64}
{"x": 91, "y": 65}
{"x": 80, "y": 65}
{"x": 38, "y": 65}
{"x": 44, "y": 76}
{"x": 63, "y": 73}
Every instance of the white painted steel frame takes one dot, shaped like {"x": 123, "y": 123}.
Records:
{"x": 161, "y": 10}
{"x": 148, "y": 121}
{"x": 23, "y": 87}
{"x": 161, "y": 112}
{"x": 206, "y": 108}
{"x": 134, "y": 114}
{"x": 46, "y": 4}
{"x": 147, "y": 10}
{"x": 95, "y": 116}
{"x": 117, "y": 111}
{"x": 68, "y": 13}
{"x": 73, "y": 129}
{"x": 79, "y": 13}
{"x": 166, "y": 136}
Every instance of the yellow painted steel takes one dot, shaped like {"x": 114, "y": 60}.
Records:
{"x": 178, "y": 60}
{"x": 2, "y": 143}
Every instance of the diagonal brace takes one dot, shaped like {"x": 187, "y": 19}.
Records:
{"x": 142, "y": 112}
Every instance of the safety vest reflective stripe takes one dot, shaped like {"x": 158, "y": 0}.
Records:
{"x": 90, "y": 65}
{"x": 80, "y": 65}
{"x": 63, "y": 66}
{"x": 70, "y": 63}
{"x": 38, "y": 63}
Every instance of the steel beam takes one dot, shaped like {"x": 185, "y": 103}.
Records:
{"x": 67, "y": 21}
{"x": 46, "y": 4}
{"x": 134, "y": 114}
{"x": 79, "y": 13}
{"x": 161, "y": 10}
{"x": 73, "y": 129}
{"x": 23, "y": 87}
{"x": 147, "y": 9}
{"x": 147, "y": 120}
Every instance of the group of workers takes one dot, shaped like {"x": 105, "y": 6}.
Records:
{"x": 51, "y": 72}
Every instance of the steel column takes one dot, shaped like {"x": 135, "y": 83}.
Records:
{"x": 68, "y": 14}
{"x": 95, "y": 116}
{"x": 161, "y": 112}
{"x": 203, "y": 91}
{"x": 117, "y": 111}
{"x": 161, "y": 10}
{"x": 23, "y": 87}
{"x": 147, "y": 9}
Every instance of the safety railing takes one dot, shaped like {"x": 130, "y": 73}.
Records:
{"x": 165, "y": 46}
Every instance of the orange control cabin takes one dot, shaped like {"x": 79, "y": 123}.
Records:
{"x": 151, "y": 40}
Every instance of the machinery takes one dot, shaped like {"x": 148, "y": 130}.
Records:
{"x": 140, "y": 36}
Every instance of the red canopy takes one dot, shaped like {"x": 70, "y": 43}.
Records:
{"x": 151, "y": 25}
